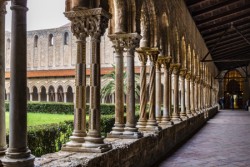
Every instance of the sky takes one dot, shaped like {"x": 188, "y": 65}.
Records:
{"x": 42, "y": 14}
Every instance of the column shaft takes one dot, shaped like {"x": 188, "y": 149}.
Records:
{"x": 119, "y": 93}
{"x": 158, "y": 92}
{"x": 188, "y": 94}
{"x": 79, "y": 132}
{"x": 192, "y": 101}
{"x": 2, "y": 78}
{"x": 183, "y": 108}
{"x": 176, "y": 116}
{"x": 165, "y": 121}
{"x": 18, "y": 153}
{"x": 141, "y": 124}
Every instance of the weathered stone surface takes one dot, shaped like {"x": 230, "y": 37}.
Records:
{"x": 142, "y": 152}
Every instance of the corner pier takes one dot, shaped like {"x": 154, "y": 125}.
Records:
{"x": 142, "y": 152}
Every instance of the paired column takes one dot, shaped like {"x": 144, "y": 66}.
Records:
{"x": 87, "y": 22}
{"x": 183, "y": 113}
{"x": 3, "y": 145}
{"x": 166, "y": 119}
{"x": 18, "y": 153}
{"x": 125, "y": 42}
{"x": 176, "y": 115}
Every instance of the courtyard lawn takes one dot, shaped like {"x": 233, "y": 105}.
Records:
{"x": 42, "y": 118}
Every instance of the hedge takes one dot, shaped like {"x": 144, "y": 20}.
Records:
{"x": 65, "y": 108}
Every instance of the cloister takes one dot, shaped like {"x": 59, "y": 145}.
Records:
{"x": 178, "y": 46}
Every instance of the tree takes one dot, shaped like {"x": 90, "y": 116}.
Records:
{"x": 108, "y": 84}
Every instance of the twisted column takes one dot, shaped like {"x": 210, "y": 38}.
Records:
{"x": 166, "y": 120}
{"x": 183, "y": 114}
{"x": 188, "y": 94}
{"x": 158, "y": 90}
{"x": 3, "y": 145}
{"x": 175, "y": 115}
{"x": 18, "y": 153}
{"x": 142, "y": 55}
{"x": 153, "y": 56}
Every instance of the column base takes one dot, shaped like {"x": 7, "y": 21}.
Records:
{"x": 152, "y": 126}
{"x": 134, "y": 135}
{"x": 118, "y": 129}
{"x": 3, "y": 150}
{"x": 75, "y": 141}
{"x": 166, "y": 124}
{"x": 21, "y": 162}
{"x": 95, "y": 145}
{"x": 184, "y": 117}
{"x": 176, "y": 120}
{"x": 158, "y": 119}
{"x": 190, "y": 115}
{"x": 141, "y": 125}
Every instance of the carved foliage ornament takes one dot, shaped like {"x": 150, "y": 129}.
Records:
{"x": 88, "y": 22}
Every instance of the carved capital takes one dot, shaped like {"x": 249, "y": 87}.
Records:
{"x": 152, "y": 54}
{"x": 3, "y": 4}
{"x": 142, "y": 55}
{"x": 88, "y": 22}
{"x": 123, "y": 41}
{"x": 197, "y": 79}
{"x": 183, "y": 72}
{"x": 176, "y": 68}
{"x": 188, "y": 75}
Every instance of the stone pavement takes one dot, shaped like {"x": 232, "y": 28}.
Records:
{"x": 223, "y": 142}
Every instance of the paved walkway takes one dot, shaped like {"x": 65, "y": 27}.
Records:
{"x": 223, "y": 142}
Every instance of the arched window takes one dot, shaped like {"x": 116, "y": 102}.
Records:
{"x": 51, "y": 40}
{"x": 35, "y": 41}
{"x": 43, "y": 94}
{"x": 66, "y": 38}
{"x": 8, "y": 43}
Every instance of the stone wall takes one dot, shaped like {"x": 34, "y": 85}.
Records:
{"x": 143, "y": 152}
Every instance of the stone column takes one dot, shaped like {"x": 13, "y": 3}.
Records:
{"x": 153, "y": 56}
{"x": 176, "y": 115}
{"x": 79, "y": 132}
{"x": 3, "y": 144}
{"x": 65, "y": 97}
{"x": 31, "y": 96}
{"x": 56, "y": 97}
{"x": 197, "y": 109}
{"x": 97, "y": 22}
{"x": 8, "y": 96}
{"x": 133, "y": 40}
{"x": 183, "y": 113}
{"x": 39, "y": 97}
{"x": 166, "y": 120}
{"x": 142, "y": 122}
{"x": 170, "y": 92}
{"x": 188, "y": 94}
{"x": 118, "y": 44}
{"x": 158, "y": 90}
{"x": 192, "y": 100}
{"x": 47, "y": 97}
{"x": 18, "y": 153}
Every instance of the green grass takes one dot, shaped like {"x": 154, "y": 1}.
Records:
{"x": 42, "y": 118}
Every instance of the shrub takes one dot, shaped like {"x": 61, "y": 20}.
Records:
{"x": 61, "y": 108}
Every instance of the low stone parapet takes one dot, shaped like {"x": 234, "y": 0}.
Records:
{"x": 142, "y": 152}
